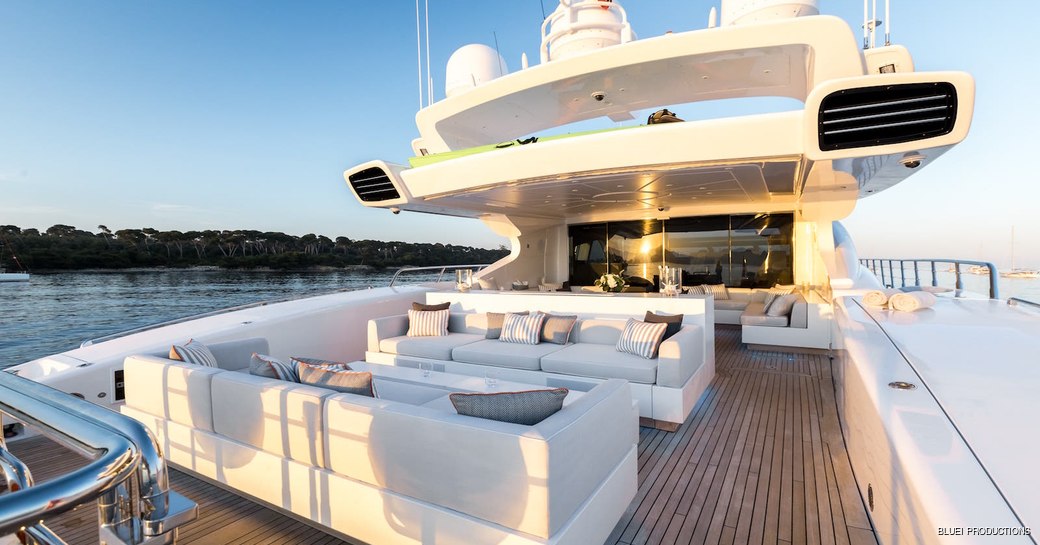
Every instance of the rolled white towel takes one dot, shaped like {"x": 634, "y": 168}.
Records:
{"x": 909, "y": 302}
{"x": 879, "y": 298}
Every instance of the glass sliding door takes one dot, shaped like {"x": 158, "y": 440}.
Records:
{"x": 634, "y": 250}
{"x": 752, "y": 250}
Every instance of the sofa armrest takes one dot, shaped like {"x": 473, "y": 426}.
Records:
{"x": 235, "y": 355}
{"x": 385, "y": 328}
{"x": 800, "y": 314}
{"x": 680, "y": 356}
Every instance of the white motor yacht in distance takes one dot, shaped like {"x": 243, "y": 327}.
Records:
{"x": 880, "y": 425}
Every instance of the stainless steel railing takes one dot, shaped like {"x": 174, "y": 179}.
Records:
{"x": 440, "y": 268}
{"x": 877, "y": 266}
{"x": 127, "y": 475}
{"x": 1018, "y": 301}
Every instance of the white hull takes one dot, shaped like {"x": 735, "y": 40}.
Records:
{"x": 14, "y": 277}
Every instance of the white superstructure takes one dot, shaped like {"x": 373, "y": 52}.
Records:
{"x": 748, "y": 201}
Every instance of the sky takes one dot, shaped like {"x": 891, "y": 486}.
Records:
{"x": 243, "y": 114}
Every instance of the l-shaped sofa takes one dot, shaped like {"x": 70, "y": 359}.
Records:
{"x": 807, "y": 325}
{"x": 399, "y": 468}
{"x": 666, "y": 387}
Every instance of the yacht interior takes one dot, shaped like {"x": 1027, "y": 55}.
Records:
{"x": 682, "y": 346}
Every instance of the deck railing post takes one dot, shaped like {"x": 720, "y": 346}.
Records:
{"x": 935, "y": 276}
{"x": 958, "y": 282}
{"x": 902, "y": 273}
{"x": 917, "y": 274}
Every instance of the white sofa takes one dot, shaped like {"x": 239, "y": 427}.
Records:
{"x": 807, "y": 326}
{"x": 401, "y": 468}
{"x": 666, "y": 387}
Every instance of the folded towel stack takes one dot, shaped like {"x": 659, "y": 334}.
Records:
{"x": 879, "y": 298}
{"x": 909, "y": 302}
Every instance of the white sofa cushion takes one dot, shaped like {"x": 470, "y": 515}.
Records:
{"x": 279, "y": 417}
{"x": 173, "y": 390}
{"x": 598, "y": 331}
{"x": 730, "y": 304}
{"x": 437, "y": 348}
{"x": 530, "y": 478}
{"x": 502, "y": 354}
{"x": 600, "y": 361}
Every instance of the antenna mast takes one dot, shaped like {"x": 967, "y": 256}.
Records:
{"x": 418, "y": 52}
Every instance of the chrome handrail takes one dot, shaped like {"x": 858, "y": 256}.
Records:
{"x": 877, "y": 266}
{"x": 441, "y": 268}
{"x": 128, "y": 477}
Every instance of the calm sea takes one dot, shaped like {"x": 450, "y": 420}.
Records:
{"x": 56, "y": 312}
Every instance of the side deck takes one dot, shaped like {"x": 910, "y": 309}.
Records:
{"x": 761, "y": 460}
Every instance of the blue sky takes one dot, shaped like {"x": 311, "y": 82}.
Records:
{"x": 243, "y": 114}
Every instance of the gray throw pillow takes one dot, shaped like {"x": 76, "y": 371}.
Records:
{"x": 674, "y": 322}
{"x": 350, "y": 382}
{"x": 494, "y": 324}
{"x": 782, "y": 305}
{"x": 270, "y": 367}
{"x": 438, "y": 306}
{"x": 557, "y": 329}
{"x": 527, "y": 408}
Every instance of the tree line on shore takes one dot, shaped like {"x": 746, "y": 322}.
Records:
{"x": 64, "y": 247}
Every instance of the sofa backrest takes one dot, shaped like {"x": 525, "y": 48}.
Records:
{"x": 468, "y": 322}
{"x": 172, "y": 390}
{"x": 283, "y": 418}
{"x": 529, "y": 478}
{"x": 231, "y": 355}
{"x": 598, "y": 331}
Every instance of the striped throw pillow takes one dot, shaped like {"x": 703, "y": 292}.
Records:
{"x": 427, "y": 323}
{"x": 717, "y": 290}
{"x": 350, "y": 382}
{"x": 694, "y": 290}
{"x": 526, "y": 408}
{"x": 641, "y": 338}
{"x": 517, "y": 328}
{"x": 266, "y": 366}
{"x": 318, "y": 362}
{"x": 194, "y": 353}
{"x": 775, "y": 293}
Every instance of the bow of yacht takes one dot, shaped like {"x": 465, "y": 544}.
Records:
{"x": 781, "y": 407}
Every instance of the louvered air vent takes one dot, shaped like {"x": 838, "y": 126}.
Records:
{"x": 886, "y": 114}
{"x": 373, "y": 185}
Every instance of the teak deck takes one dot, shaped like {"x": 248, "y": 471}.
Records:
{"x": 760, "y": 460}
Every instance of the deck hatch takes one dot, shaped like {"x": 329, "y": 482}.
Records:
{"x": 886, "y": 114}
{"x": 373, "y": 185}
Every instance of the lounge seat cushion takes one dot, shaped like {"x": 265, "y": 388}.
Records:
{"x": 755, "y": 315}
{"x": 730, "y": 304}
{"x": 502, "y": 354}
{"x": 601, "y": 361}
{"x": 437, "y": 348}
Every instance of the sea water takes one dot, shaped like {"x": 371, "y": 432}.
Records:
{"x": 56, "y": 312}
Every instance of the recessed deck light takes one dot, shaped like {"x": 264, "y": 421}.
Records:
{"x": 900, "y": 385}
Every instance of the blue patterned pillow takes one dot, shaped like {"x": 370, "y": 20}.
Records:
{"x": 641, "y": 338}
{"x": 527, "y": 408}
{"x": 428, "y": 323}
{"x": 193, "y": 352}
{"x": 266, "y": 366}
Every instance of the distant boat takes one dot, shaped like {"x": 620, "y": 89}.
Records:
{"x": 13, "y": 276}
{"x": 1018, "y": 273}
{"x": 981, "y": 270}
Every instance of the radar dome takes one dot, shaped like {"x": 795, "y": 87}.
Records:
{"x": 472, "y": 65}
{"x": 742, "y": 12}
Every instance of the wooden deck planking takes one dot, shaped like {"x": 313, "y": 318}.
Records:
{"x": 760, "y": 460}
